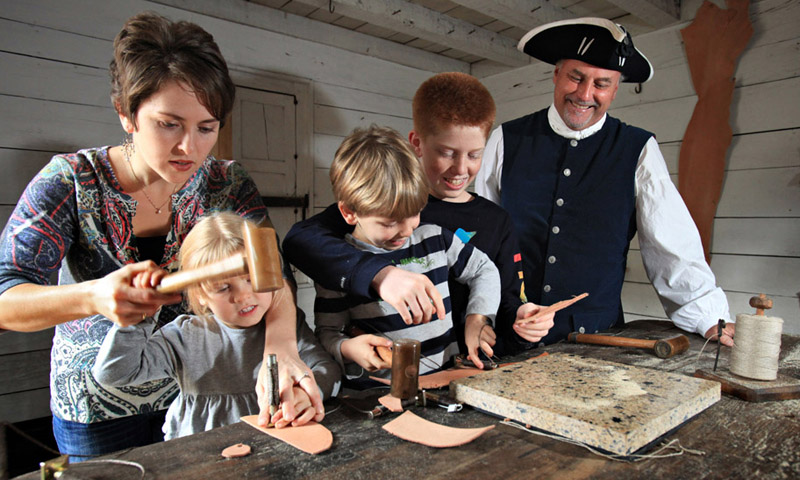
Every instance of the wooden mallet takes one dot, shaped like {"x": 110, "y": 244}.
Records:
{"x": 259, "y": 259}
{"x": 664, "y": 348}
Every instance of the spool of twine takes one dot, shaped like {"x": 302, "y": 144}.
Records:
{"x": 757, "y": 346}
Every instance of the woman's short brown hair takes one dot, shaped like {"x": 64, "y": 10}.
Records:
{"x": 452, "y": 99}
{"x": 151, "y": 50}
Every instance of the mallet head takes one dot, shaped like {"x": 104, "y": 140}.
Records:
{"x": 671, "y": 346}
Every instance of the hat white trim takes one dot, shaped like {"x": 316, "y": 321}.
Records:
{"x": 616, "y": 31}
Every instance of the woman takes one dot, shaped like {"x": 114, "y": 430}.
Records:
{"x": 112, "y": 212}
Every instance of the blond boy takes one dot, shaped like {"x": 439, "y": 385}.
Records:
{"x": 381, "y": 188}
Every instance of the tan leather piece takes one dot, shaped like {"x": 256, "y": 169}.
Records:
{"x": 311, "y": 438}
{"x": 238, "y": 450}
{"x": 412, "y": 428}
{"x": 552, "y": 308}
{"x": 713, "y": 43}
{"x": 392, "y": 403}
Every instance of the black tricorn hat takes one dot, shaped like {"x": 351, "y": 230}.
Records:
{"x": 596, "y": 41}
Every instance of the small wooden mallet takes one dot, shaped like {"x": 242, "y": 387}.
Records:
{"x": 664, "y": 348}
{"x": 259, "y": 259}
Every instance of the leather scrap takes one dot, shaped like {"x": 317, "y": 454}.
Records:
{"x": 415, "y": 429}
{"x": 391, "y": 402}
{"x": 552, "y": 309}
{"x": 238, "y": 450}
{"x": 311, "y": 438}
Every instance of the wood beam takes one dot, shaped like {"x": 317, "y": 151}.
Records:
{"x": 658, "y": 13}
{"x": 524, "y": 14}
{"x": 260, "y": 16}
{"x": 418, "y": 21}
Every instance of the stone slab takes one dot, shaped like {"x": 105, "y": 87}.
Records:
{"x": 615, "y": 407}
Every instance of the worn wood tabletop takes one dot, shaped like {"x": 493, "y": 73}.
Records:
{"x": 737, "y": 439}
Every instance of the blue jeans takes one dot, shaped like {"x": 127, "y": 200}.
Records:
{"x": 92, "y": 439}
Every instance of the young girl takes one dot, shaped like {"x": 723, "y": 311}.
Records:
{"x": 214, "y": 355}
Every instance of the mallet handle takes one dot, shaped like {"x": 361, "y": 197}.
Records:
{"x": 225, "y": 268}
{"x": 609, "y": 340}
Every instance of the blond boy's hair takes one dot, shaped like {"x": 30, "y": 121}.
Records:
{"x": 213, "y": 238}
{"x": 452, "y": 99}
{"x": 375, "y": 172}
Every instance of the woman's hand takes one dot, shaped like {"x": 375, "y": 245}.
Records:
{"x": 128, "y": 295}
{"x": 302, "y": 406}
{"x": 292, "y": 374}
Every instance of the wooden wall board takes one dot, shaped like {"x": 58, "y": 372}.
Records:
{"x": 41, "y": 79}
{"x": 15, "y": 342}
{"x": 19, "y": 167}
{"x": 27, "y": 405}
{"x": 360, "y": 100}
{"x": 40, "y": 125}
{"x": 25, "y": 371}
{"x": 337, "y": 121}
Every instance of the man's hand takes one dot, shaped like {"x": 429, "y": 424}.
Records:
{"x": 413, "y": 295}
{"x": 479, "y": 334}
{"x": 536, "y": 330}
{"x": 727, "y": 334}
{"x": 361, "y": 349}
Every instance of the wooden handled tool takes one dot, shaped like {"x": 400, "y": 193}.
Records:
{"x": 664, "y": 348}
{"x": 259, "y": 259}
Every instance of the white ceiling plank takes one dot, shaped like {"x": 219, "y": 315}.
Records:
{"x": 524, "y": 14}
{"x": 259, "y": 16}
{"x": 658, "y": 13}
{"x": 418, "y": 21}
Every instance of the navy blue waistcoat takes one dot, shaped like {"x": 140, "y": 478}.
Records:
{"x": 573, "y": 207}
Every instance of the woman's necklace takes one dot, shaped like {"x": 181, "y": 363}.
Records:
{"x": 126, "y": 151}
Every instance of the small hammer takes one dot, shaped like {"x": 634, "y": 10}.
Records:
{"x": 664, "y": 348}
{"x": 259, "y": 259}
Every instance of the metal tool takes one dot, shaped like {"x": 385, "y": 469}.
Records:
{"x": 426, "y": 398}
{"x": 664, "y": 348}
{"x": 273, "y": 393}
{"x": 463, "y": 361}
{"x": 720, "y": 327}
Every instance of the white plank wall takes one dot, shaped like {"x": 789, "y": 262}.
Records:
{"x": 755, "y": 246}
{"x": 54, "y": 98}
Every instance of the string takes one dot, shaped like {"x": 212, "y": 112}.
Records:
{"x": 758, "y": 347}
{"x": 674, "y": 446}
{"x": 47, "y": 448}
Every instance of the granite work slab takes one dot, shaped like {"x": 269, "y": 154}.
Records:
{"x": 618, "y": 408}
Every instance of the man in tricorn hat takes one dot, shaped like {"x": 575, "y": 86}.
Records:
{"x": 579, "y": 184}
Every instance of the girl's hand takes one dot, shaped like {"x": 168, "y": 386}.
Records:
{"x": 117, "y": 298}
{"x": 361, "y": 349}
{"x": 302, "y": 406}
{"x": 478, "y": 334}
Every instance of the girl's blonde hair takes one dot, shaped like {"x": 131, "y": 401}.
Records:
{"x": 214, "y": 238}
{"x": 375, "y": 172}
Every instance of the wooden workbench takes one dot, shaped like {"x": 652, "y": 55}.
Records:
{"x": 740, "y": 440}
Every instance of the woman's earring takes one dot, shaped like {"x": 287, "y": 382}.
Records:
{"x": 128, "y": 148}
